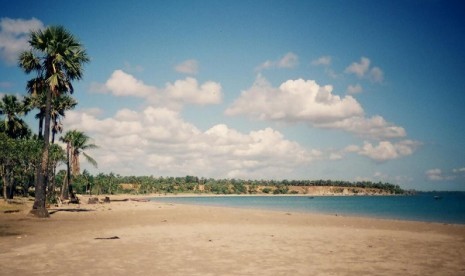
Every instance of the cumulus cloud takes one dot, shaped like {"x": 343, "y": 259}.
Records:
{"x": 124, "y": 84}
{"x": 437, "y": 174}
{"x": 189, "y": 67}
{"x": 375, "y": 127}
{"x": 289, "y": 60}
{"x": 294, "y": 100}
{"x": 363, "y": 70}
{"x": 307, "y": 102}
{"x": 383, "y": 151}
{"x": 380, "y": 176}
{"x": 187, "y": 91}
{"x": 386, "y": 150}
{"x": 359, "y": 69}
{"x": 159, "y": 141}
{"x": 323, "y": 61}
{"x": 459, "y": 170}
{"x": 14, "y": 37}
{"x": 354, "y": 89}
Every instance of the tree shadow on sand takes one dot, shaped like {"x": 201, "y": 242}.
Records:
{"x": 5, "y": 231}
{"x": 53, "y": 211}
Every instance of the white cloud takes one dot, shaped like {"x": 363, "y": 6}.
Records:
{"x": 189, "y": 67}
{"x": 174, "y": 95}
{"x": 459, "y": 170}
{"x": 289, "y": 60}
{"x": 383, "y": 151}
{"x": 375, "y": 127}
{"x": 189, "y": 91}
{"x": 376, "y": 74}
{"x": 293, "y": 101}
{"x": 14, "y": 37}
{"x": 123, "y": 84}
{"x": 434, "y": 175}
{"x": 363, "y": 70}
{"x": 386, "y": 150}
{"x": 354, "y": 89}
{"x": 383, "y": 177}
{"x": 324, "y": 61}
{"x": 359, "y": 69}
{"x": 158, "y": 141}
{"x": 307, "y": 102}
{"x": 437, "y": 174}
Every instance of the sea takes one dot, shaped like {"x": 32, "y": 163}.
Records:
{"x": 440, "y": 207}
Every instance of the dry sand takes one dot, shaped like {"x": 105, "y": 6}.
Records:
{"x": 172, "y": 239}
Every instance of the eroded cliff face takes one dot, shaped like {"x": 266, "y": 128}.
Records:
{"x": 298, "y": 190}
{"x": 335, "y": 190}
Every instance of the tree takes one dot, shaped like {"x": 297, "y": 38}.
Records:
{"x": 12, "y": 125}
{"x": 76, "y": 143}
{"x": 59, "y": 106}
{"x": 36, "y": 88}
{"x": 57, "y": 58}
{"x": 17, "y": 160}
{"x": 57, "y": 156}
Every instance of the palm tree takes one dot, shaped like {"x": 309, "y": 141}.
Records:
{"x": 57, "y": 58}
{"x": 37, "y": 98}
{"x": 76, "y": 143}
{"x": 12, "y": 125}
{"x": 59, "y": 106}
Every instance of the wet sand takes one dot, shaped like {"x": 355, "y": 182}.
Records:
{"x": 146, "y": 238}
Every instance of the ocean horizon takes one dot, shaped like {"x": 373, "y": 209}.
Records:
{"x": 439, "y": 207}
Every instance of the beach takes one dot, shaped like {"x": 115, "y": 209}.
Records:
{"x": 129, "y": 236}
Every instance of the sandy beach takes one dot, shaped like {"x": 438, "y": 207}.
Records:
{"x": 145, "y": 238}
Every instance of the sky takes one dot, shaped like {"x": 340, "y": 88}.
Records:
{"x": 341, "y": 90}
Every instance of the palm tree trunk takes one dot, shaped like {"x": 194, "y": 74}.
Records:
{"x": 65, "y": 189}
{"x": 5, "y": 185}
{"x": 75, "y": 161}
{"x": 41, "y": 124}
{"x": 38, "y": 209}
{"x": 54, "y": 131}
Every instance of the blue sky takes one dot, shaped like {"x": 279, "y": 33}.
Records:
{"x": 359, "y": 90}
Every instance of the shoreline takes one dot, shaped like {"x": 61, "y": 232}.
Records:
{"x": 177, "y": 239}
{"x": 303, "y": 210}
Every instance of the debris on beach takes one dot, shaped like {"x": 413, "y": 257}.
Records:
{"x": 108, "y": 238}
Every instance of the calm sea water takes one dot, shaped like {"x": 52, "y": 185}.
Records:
{"x": 444, "y": 207}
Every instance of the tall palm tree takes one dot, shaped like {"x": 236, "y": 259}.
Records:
{"x": 12, "y": 125}
{"x": 59, "y": 106}
{"x": 57, "y": 58}
{"x": 76, "y": 143}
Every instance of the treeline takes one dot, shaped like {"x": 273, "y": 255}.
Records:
{"x": 19, "y": 161}
{"x": 114, "y": 184}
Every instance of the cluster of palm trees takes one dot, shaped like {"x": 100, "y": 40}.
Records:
{"x": 55, "y": 60}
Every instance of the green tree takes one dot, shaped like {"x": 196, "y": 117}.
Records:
{"x": 17, "y": 160}
{"x": 37, "y": 99}
{"x": 12, "y": 124}
{"x": 76, "y": 143}
{"x": 56, "y": 157}
{"x": 57, "y": 58}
